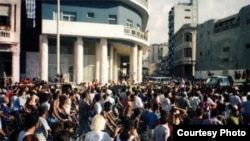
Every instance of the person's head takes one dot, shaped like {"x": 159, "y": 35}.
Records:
{"x": 31, "y": 120}
{"x": 56, "y": 127}
{"x": 214, "y": 113}
{"x": 107, "y": 106}
{"x": 62, "y": 135}
{"x": 129, "y": 126}
{"x": 164, "y": 117}
{"x": 6, "y": 100}
{"x": 199, "y": 112}
{"x": 98, "y": 97}
{"x": 98, "y": 123}
{"x": 137, "y": 112}
{"x": 69, "y": 126}
{"x": 43, "y": 110}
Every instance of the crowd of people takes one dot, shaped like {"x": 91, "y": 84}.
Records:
{"x": 35, "y": 110}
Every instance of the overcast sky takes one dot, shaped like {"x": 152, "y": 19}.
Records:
{"x": 208, "y": 9}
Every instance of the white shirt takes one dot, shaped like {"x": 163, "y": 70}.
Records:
{"x": 98, "y": 107}
{"x": 97, "y": 136}
{"x": 137, "y": 103}
{"x": 161, "y": 132}
{"x": 22, "y": 135}
{"x": 42, "y": 131}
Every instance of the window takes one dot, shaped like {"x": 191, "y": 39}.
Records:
{"x": 200, "y": 53}
{"x": 187, "y": 17}
{"x": 68, "y": 16}
{"x": 188, "y": 37}
{"x": 187, "y": 52}
{"x": 187, "y": 9}
{"x": 226, "y": 49}
{"x": 65, "y": 16}
{"x": 129, "y": 23}
{"x": 225, "y": 60}
{"x": 138, "y": 27}
{"x": 112, "y": 19}
{"x": 248, "y": 46}
{"x": 208, "y": 52}
{"x": 4, "y": 15}
{"x": 248, "y": 19}
{"x": 90, "y": 15}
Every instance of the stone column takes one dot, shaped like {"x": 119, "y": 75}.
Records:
{"x": 115, "y": 72}
{"x": 44, "y": 57}
{"x": 78, "y": 61}
{"x": 111, "y": 63}
{"x": 97, "y": 64}
{"x": 133, "y": 64}
{"x": 139, "y": 69}
{"x": 16, "y": 63}
{"x": 104, "y": 61}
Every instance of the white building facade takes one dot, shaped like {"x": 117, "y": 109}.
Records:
{"x": 94, "y": 36}
{"x": 10, "y": 39}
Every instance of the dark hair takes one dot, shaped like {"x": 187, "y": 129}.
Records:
{"x": 31, "y": 119}
{"x": 62, "y": 135}
{"x": 164, "y": 117}
{"x": 56, "y": 127}
{"x": 128, "y": 124}
{"x": 107, "y": 106}
{"x": 69, "y": 124}
{"x": 98, "y": 97}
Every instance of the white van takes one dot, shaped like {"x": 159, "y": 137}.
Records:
{"x": 224, "y": 80}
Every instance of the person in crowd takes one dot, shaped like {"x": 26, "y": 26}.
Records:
{"x": 162, "y": 132}
{"x": 111, "y": 123}
{"x": 62, "y": 135}
{"x": 84, "y": 114}
{"x": 213, "y": 120}
{"x": 234, "y": 118}
{"x": 198, "y": 118}
{"x": 43, "y": 130}
{"x": 98, "y": 125}
{"x": 246, "y": 110}
{"x": 128, "y": 132}
{"x": 97, "y": 104}
{"x": 31, "y": 123}
{"x": 55, "y": 109}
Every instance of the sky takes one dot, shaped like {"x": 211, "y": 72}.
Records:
{"x": 208, "y": 9}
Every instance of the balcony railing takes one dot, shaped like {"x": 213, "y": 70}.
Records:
{"x": 4, "y": 33}
{"x": 136, "y": 33}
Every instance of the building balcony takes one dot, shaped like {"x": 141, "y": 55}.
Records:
{"x": 136, "y": 33}
{"x": 96, "y": 30}
{"x": 6, "y": 36}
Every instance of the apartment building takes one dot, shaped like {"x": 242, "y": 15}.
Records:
{"x": 156, "y": 54}
{"x": 10, "y": 39}
{"x": 180, "y": 14}
{"x": 223, "y": 45}
{"x": 185, "y": 51}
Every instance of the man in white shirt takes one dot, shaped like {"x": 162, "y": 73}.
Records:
{"x": 162, "y": 132}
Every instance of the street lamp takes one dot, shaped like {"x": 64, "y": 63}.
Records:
{"x": 58, "y": 38}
